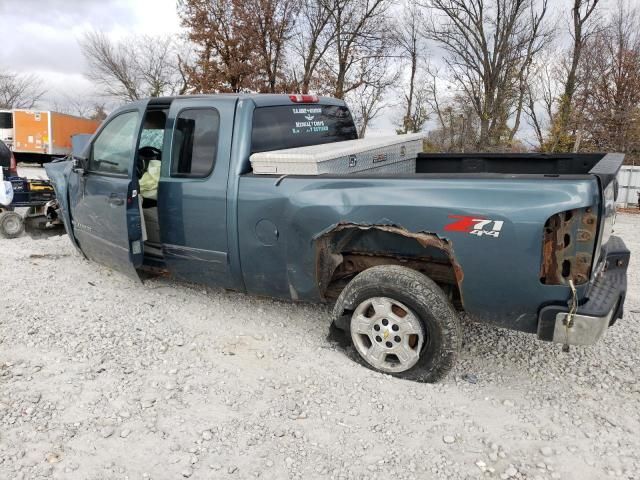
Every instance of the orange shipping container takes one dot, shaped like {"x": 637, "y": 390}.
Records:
{"x": 46, "y": 132}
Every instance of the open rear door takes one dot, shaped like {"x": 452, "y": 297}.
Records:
{"x": 102, "y": 194}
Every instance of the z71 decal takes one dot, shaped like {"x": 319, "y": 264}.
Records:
{"x": 475, "y": 226}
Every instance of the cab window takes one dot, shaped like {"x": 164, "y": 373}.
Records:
{"x": 301, "y": 125}
{"x": 113, "y": 149}
{"x": 195, "y": 143}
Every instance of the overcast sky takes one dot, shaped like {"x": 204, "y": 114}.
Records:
{"x": 41, "y": 36}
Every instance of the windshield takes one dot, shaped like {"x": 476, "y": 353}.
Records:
{"x": 291, "y": 126}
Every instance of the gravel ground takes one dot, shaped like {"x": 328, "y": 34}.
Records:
{"x": 104, "y": 378}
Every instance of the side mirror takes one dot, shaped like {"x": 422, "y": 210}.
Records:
{"x": 80, "y": 164}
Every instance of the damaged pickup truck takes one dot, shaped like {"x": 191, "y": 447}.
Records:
{"x": 519, "y": 241}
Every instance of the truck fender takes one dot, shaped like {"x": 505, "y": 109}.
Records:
{"x": 345, "y": 249}
{"x": 58, "y": 173}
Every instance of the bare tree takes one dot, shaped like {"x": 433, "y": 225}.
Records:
{"x": 361, "y": 35}
{"x": 490, "y": 45}
{"x": 456, "y": 122}
{"x": 366, "y": 103}
{"x": 536, "y": 44}
{"x": 99, "y": 112}
{"x": 155, "y": 59}
{"x": 138, "y": 67}
{"x": 313, "y": 37}
{"x": 20, "y": 90}
{"x": 77, "y": 106}
{"x": 581, "y": 13}
{"x": 456, "y": 129}
{"x": 541, "y": 95}
{"x": 80, "y": 106}
{"x": 608, "y": 101}
{"x": 420, "y": 111}
{"x": 408, "y": 36}
{"x": 272, "y": 24}
{"x": 110, "y": 66}
{"x": 368, "y": 100}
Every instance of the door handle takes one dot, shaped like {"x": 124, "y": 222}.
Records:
{"x": 115, "y": 200}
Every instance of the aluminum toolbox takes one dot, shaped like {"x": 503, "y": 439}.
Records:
{"x": 384, "y": 155}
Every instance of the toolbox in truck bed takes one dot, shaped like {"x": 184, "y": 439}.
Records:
{"x": 392, "y": 154}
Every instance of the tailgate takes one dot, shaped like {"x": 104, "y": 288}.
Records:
{"x": 606, "y": 171}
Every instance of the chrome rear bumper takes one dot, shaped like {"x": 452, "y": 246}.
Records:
{"x": 603, "y": 306}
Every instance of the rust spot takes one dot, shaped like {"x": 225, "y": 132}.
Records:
{"x": 584, "y": 235}
{"x": 581, "y": 267}
{"x": 334, "y": 263}
{"x": 550, "y": 273}
{"x": 567, "y": 250}
{"x": 423, "y": 238}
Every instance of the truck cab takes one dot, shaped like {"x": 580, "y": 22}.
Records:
{"x": 188, "y": 227}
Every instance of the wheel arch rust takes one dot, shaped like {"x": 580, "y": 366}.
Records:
{"x": 346, "y": 248}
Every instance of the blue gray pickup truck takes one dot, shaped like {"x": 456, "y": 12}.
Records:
{"x": 519, "y": 241}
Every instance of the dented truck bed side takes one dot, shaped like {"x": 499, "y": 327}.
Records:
{"x": 283, "y": 228}
{"x": 522, "y": 241}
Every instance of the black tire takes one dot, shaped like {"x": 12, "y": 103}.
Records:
{"x": 11, "y": 224}
{"x": 440, "y": 323}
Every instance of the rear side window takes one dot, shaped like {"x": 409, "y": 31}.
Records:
{"x": 291, "y": 126}
{"x": 195, "y": 143}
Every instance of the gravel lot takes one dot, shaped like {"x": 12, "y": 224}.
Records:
{"x": 104, "y": 378}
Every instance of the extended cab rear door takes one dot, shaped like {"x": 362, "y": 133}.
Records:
{"x": 103, "y": 195}
{"x": 192, "y": 194}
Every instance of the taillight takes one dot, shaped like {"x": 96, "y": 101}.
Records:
{"x": 298, "y": 98}
{"x": 13, "y": 167}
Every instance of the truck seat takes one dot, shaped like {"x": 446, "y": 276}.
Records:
{"x": 152, "y": 224}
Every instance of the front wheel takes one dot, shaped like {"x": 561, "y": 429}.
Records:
{"x": 401, "y": 323}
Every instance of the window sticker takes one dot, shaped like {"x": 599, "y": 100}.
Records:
{"x": 306, "y": 121}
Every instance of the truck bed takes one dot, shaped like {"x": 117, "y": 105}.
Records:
{"x": 500, "y": 163}
{"x": 497, "y": 165}
{"x": 487, "y": 164}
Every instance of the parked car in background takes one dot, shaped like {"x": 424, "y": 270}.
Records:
{"x": 7, "y": 161}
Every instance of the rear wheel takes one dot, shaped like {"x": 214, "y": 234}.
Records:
{"x": 401, "y": 323}
{"x": 11, "y": 224}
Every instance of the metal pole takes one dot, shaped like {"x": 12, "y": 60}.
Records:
{"x": 628, "y": 187}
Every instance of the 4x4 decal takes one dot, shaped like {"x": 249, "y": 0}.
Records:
{"x": 475, "y": 225}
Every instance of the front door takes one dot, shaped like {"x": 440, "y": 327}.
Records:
{"x": 192, "y": 194}
{"x": 103, "y": 201}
